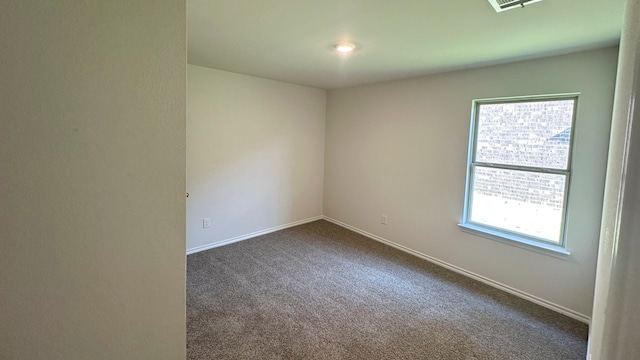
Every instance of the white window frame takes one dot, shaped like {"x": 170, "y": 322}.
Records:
{"x": 497, "y": 233}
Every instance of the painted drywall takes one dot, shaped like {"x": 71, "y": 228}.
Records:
{"x": 92, "y": 179}
{"x": 255, "y": 154}
{"x": 400, "y": 149}
{"x": 615, "y": 330}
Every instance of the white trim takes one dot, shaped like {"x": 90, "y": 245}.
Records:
{"x": 555, "y": 251}
{"x": 250, "y": 235}
{"x": 534, "y": 299}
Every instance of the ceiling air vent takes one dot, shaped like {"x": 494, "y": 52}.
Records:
{"x": 502, "y": 5}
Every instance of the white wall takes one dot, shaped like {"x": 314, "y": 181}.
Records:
{"x": 92, "y": 179}
{"x": 255, "y": 154}
{"x": 615, "y": 330}
{"x": 400, "y": 149}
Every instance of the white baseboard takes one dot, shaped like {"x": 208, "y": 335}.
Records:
{"x": 251, "y": 235}
{"x": 534, "y": 299}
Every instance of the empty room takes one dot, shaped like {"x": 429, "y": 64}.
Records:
{"x": 421, "y": 179}
{"x": 305, "y": 179}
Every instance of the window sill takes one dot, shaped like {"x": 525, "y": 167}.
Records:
{"x": 514, "y": 240}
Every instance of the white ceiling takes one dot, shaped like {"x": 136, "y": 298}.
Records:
{"x": 292, "y": 40}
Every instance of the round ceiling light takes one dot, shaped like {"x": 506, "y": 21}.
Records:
{"x": 344, "y": 47}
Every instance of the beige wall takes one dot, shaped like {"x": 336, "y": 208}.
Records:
{"x": 92, "y": 144}
{"x": 255, "y": 155}
{"x": 400, "y": 149}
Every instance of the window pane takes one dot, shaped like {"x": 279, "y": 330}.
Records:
{"x": 525, "y": 202}
{"x": 535, "y": 133}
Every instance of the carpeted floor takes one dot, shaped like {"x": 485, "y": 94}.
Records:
{"x": 318, "y": 291}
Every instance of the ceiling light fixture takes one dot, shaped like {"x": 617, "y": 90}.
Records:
{"x": 344, "y": 47}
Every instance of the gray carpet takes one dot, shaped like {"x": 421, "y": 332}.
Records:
{"x": 318, "y": 291}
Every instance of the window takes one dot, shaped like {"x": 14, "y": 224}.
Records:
{"x": 519, "y": 168}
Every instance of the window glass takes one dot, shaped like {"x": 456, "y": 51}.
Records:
{"x": 519, "y": 168}
{"x": 525, "y": 202}
{"x": 532, "y": 134}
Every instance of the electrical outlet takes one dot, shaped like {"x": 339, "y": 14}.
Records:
{"x": 383, "y": 219}
{"x": 206, "y": 223}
